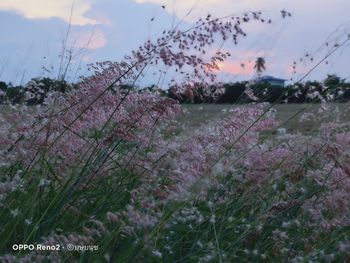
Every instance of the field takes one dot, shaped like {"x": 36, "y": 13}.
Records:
{"x": 287, "y": 114}
{"x": 201, "y": 186}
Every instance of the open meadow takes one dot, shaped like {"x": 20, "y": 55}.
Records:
{"x": 217, "y": 183}
{"x": 303, "y": 118}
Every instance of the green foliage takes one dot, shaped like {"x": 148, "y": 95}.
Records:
{"x": 233, "y": 92}
{"x": 332, "y": 81}
{"x": 15, "y": 94}
{"x": 3, "y": 86}
{"x": 333, "y": 88}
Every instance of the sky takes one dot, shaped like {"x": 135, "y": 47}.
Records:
{"x": 34, "y": 32}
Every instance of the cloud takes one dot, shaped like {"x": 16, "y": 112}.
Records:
{"x": 93, "y": 40}
{"x": 219, "y": 8}
{"x": 200, "y": 8}
{"x": 182, "y": 7}
{"x": 129, "y": 24}
{"x": 184, "y": 4}
{"x": 236, "y": 68}
{"x": 43, "y": 9}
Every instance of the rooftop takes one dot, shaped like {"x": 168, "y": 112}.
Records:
{"x": 269, "y": 78}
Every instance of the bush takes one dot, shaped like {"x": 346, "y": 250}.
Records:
{"x": 15, "y": 94}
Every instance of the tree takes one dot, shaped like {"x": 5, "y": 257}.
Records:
{"x": 3, "y": 86}
{"x": 332, "y": 81}
{"x": 15, "y": 94}
{"x": 259, "y": 66}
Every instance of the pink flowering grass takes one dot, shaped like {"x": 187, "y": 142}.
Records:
{"x": 111, "y": 167}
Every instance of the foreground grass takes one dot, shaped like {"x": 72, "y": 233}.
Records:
{"x": 235, "y": 222}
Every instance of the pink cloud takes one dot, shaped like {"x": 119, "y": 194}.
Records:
{"x": 243, "y": 63}
{"x": 93, "y": 40}
{"x": 243, "y": 68}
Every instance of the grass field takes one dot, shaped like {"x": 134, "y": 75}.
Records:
{"x": 288, "y": 115}
{"x": 202, "y": 195}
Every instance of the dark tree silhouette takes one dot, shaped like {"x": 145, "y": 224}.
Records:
{"x": 259, "y": 66}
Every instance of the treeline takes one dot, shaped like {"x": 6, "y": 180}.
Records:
{"x": 333, "y": 88}
{"x": 37, "y": 90}
{"x": 34, "y": 92}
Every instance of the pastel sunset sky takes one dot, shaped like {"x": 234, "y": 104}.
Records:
{"x": 33, "y": 33}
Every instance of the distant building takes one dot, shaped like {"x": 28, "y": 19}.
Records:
{"x": 272, "y": 81}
